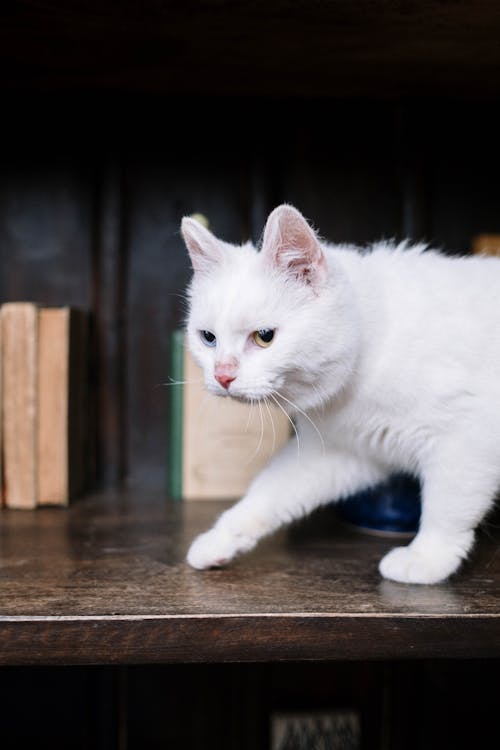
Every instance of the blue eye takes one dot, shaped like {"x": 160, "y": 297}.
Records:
{"x": 208, "y": 338}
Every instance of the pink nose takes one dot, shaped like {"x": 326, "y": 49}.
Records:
{"x": 224, "y": 380}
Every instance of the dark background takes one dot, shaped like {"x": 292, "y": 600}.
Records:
{"x": 93, "y": 188}
{"x": 376, "y": 119}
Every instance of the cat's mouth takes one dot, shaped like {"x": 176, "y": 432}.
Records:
{"x": 250, "y": 397}
{"x": 244, "y": 399}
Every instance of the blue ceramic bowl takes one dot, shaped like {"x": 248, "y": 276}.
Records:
{"x": 392, "y": 507}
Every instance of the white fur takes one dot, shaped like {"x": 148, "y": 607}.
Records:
{"x": 393, "y": 353}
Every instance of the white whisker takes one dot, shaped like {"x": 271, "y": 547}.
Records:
{"x": 272, "y": 423}
{"x": 259, "y": 445}
{"x": 182, "y": 382}
{"x": 261, "y": 427}
{"x": 304, "y": 414}
{"x": 289, "y": 419}
{"x": 250, "y": 407}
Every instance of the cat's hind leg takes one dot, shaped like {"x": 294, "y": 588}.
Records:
{"x": 456, "y": 494}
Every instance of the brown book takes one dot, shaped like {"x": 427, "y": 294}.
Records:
{"x": 62, "y": 404}
{"x": 486, "y": 244}
{"x": 224, "y": 443}
{"x": 19, "y": 323}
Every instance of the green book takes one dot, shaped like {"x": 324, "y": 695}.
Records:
{"x": 174, "y": 472}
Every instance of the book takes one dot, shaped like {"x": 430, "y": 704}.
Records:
{"x": 44, "y": 404}
{"x": 175, "y": 438}
{"x": 1, "y": 422}
{"x": 62, "y": 404}
{"x": 19, "y": 324}
{"x": 486, "y": 244}
{"x": 217, "y": 445}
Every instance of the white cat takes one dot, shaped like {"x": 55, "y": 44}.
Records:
{"x": 389, "y": 361}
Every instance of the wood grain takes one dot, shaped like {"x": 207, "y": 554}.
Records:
{"x": 201, "y": 170}
{"x": 376, "y": 47}
{"x": 109, "y": 262}
{"x": 106, "y": 582}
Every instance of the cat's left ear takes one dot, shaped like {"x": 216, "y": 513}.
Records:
{"x": 291, "y": 245}
{"x": 203, "y": 247}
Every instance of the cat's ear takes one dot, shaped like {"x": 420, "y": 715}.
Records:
{"x": 203, "y": 247}
{"x": 291, "y": 245}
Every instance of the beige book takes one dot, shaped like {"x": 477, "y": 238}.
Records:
{"x": 486, "y": 244}
{"x": 225, "y": 443}
{"x": 61, "y": 404}
{"x": 19, "y": 322}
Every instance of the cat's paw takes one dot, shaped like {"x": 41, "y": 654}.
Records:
{"x": 410, "y": 565}
{"x": 216, "y": 548}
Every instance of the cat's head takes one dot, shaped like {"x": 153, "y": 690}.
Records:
{"x": 260, "y": 322}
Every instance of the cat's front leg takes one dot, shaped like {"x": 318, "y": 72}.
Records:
{"x": 290, "y": 487}
{"x": 457, "y": 492}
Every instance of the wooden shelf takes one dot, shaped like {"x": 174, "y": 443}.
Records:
{"x": 376, "y": 48}
{"x": 106, "y": 583}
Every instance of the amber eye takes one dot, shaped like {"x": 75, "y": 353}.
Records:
{"x": 263, "y": 337}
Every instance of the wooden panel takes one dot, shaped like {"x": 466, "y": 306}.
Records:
{"x": 109, "y": 263}
{"x": 341, "y": 170}
{"x": 465, "y": 163}
{"x": 66, "y": 707}
{"x": 195, "y": 170}
{"x": 374, "y": 48}
{"x": 45, "y": 230}
{"x": 425, "y": 705}
{"x": 107, "y": 582}
{"x": 243, "y": 639}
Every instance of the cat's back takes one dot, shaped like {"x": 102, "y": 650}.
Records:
{"x": 429, "y": 346}
{"x": 408, "y": 277}
{"x": 427, "y": 317}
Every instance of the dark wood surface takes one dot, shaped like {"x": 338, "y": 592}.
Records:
{"x": 106, "y": 582}
{"x": 370, "y": 48}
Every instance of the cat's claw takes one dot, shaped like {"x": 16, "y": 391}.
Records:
{"x": 408, "y": 565}
{"x": 217, "y": 547}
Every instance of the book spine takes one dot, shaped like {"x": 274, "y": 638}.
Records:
{"x": 176, "y": 394}
{"x": 53, "y": 433}
{"x": 486, "y": 244}
{"x": 20, "y": 403}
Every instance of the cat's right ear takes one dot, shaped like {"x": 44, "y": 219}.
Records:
{"x": 203, "y": 247}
